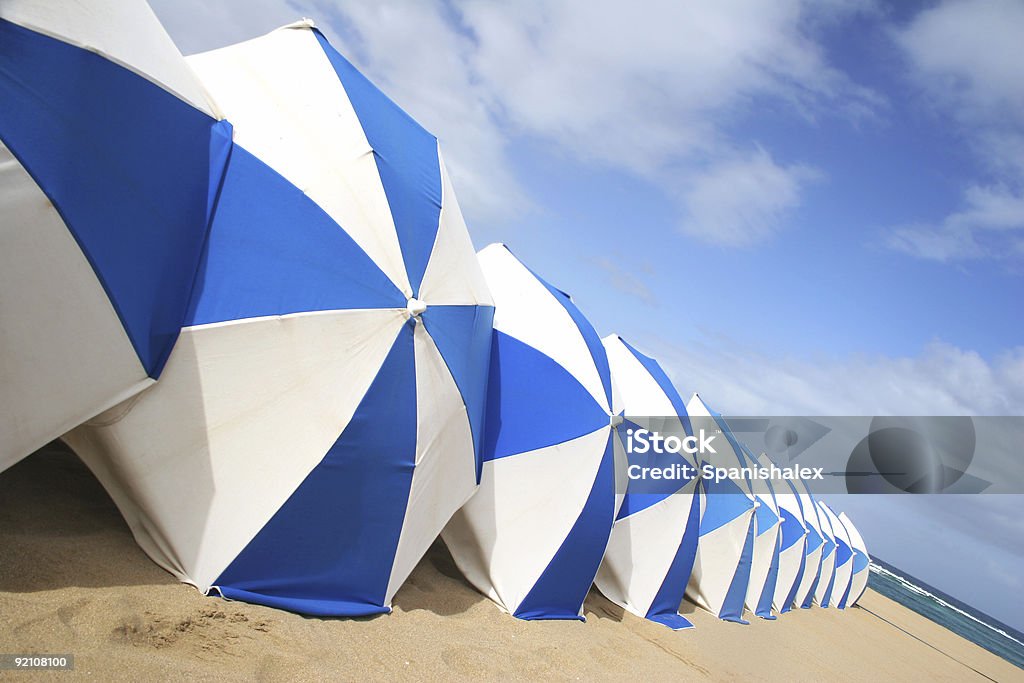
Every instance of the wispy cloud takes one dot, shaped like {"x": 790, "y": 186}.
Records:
{"x": 965, "y": 56}
{"x": 942, "y": 380}
{"x": 626, "y": 280}
{"x": 742, "y": 201}
{"x": 991, "y": 225}
{"x": 644, "y": 91}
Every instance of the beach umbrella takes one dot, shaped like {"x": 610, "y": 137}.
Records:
{"x": 861, "y": 561}
{"x": 650, "y": 555}
{"x": 314, "y": 428}
{"x": 844, "y": 557}
{"x": 827, "y": 575}
{"x": 814, "y": 550}
{"x": 533, "y": 536}
{"x": 764, "y": 562}
{"x": 792, "y": 535}
{"x": 109, "y": 157}
{"x": 721, "y": 568}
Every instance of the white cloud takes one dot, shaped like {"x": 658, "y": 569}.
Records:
{"x": 965, "y": 55}
{"x": 942, "y": 380}
{"x": 991, "y": 225}
{"x": 639, "y": 88}
{"x": 739, "y": 202}
{"x": 626, "y": 280}
{"x": 968, "y": 53}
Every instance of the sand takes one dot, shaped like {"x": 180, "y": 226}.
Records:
{"x": 73, "y": 581}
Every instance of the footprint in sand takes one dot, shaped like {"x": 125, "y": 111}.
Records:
{"x": 209, "y": 630}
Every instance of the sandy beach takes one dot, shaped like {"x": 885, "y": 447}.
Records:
{"x": 73, "y": 581}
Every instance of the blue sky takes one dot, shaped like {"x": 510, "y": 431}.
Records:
{"x": 798, "y": 207}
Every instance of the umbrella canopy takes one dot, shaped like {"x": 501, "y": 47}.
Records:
{"x": 654, "y": 540}
{"x": 110, "y": 155}
{"x": 533, "y": 536}
{"x": 314, "y": 428}
{"x": 827, "y": 575}
{"x": 861, "y": 561}
{"x": 721, "y": 568}
{"x": 844, "y": 557}
{"x": 815, "y": 547}
{"x": 764, "y": 563}
{"x": 793, "y": 549}
{"x": 792, "y": 544}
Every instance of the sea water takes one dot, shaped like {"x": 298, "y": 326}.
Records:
{"x": 945, "y": 610}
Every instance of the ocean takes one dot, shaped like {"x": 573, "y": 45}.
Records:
{"x": 945, "y": 610}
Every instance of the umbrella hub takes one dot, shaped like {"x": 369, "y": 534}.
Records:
{"x": 415, "y": 307}
{"x": 615, "y": 421}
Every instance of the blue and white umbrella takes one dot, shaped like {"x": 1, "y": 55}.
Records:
{"x": 792, "y": 544}
{"x": 533, "y": 536}
{"x": 844, "y": 557}
{"x": 764, "y": 563}
{"x": 721, "y": 569}
{"x": 827, "y": 574}
{"x": 110, "y": 155}
{"x": 861, "y": 561}
{"x": 318, "y": 420}
{"x": 654, "y": 541}
{"x": 814, "y": 547}
{"x": 813, "y": 550}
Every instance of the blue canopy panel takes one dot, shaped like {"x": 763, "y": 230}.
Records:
{"x": 826, "y": 601}
{"x": 843, "y": 552}
{"x": 791, "y": 597}
{"x": 830, "y": 546}
{"x": 792, "y": 532}
{"x": 330, "y": 548}
{"x": 643, "y": 493}
{"x": 463, "y": 336}
{"x": 809, "y": 600}
{"x": 814, "y": 539}
{"x": 564, "y": 583}
{"x": 766, "y": 517}
{"x": 860, "y": 561}
{"x": 732, "y": 606}
{"x": 253, "y": 266}
{"x": 845, "y": 596}
{"x": 827, "y": 550}
{"x": 665, "y": 606}
{"x": 843, "y": 555}
{"x": 860, "y": 564}
{"x": 737, "y": 448}
{"x": 533, "y": 402}
{"x": 764, "y": 604}
{"x": 724, "y": 502}
{"x": 131, "y": 169}
{"x": 407, "y": 160}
